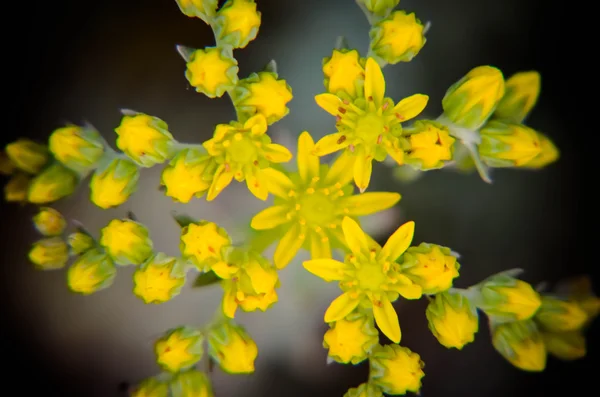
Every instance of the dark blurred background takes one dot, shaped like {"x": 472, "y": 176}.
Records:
{"x": 74, "y": 61}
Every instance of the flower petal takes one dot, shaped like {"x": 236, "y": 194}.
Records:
{"x": 330, "y": 143}
{"x": 341, "y": 170}
{"x": 223, "y": 270}
{"x": 256, "y": 185}
{"x": 330, "y": 103}
{"x": 257, "y": 124}
{"x": 319, "y": 246}
{"x": 340, "y": 308}
{"x": 370, "y": 203}
{"x": 308, "y": 162}
{"x": 221, "y": 180}
{"x": 327, "y": 269}
{"x": 387, "y": 319}
{"x": 398, "y": 242}
{"x": 229, "y": 304}
{"x": 395, "y": 152}
{"x": 374, "y": 83}
{"x": 288, "y": 246}
{"x": 409, "y": 291}
{"x": 410, "y": 107}
{"x": 277, "y": 153}
{"x": 269, "y": 218}
{"x": 262, "y": 280}
{"x": 355, "y": 237}
{"x": 363, "y": 167}
{"x": 277, "y": 182}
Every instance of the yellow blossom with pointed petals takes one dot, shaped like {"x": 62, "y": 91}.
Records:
{"x": 232, "y": 348}
{"x": 126, "y": 241}
{"x": 521, "y": 93}
{"x": 179, "y": 349}
{"x": 203, "y": 243}
{"x": 559, "y": 315}
{"x": 351, "y": 340}
{"x": 430, "y": 145}
{"x": 521, "y": 344}
{"x": 78, "y": 148}
{"x": 112, "y": 184}
{"x": 27, "y": 155}
{"x": 49, "y": 254}
{"x": 262, "y": 93}
{"x": 151, "y": 387}
{"x": 91, "y": 272}
{"x": 145, "y": 139}
{"x": 344, "y": 73}
{"x": 192, "y": 383}
{"x": 396, "y": 369}
{"x": 452, "y": 319}
{"x": 369, "y": 276}
{"x": 508, "y": 145}
{"x": 159, "y": 279}
{"x": 431, "y": 266}
{"x": 397, "y": 38}
{"x": 212, "y": 71}
{"x": 187, "y": 175}
{"x": 237, "y": 23}
{"x": 52, "y": 184}
{"x": 570, "y": 345}
{"x": 49, "y": 222}
{"x": 368, "y": 127}
{"x": 549, "y": 153}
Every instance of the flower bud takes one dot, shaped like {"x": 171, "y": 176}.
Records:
{"x": 203, "y": 9}
{"x": 185, "y": 176}
{"x": 91, "y": 272}
{"x": 27, "y": 155}
{"x": 202, "y": 243}
{"x": 159, "y": 279}
{"x": 351, "y": 339}
{"x": 344, "y": 73}
{"x": 53, "y": 183}
{"x": 7, "y": 167}
{"x": 430, "y": 145}
{"x": 179, "y": 349}
{"x": 397, "y": 38}
{"x": 232, "y": 348}
{"x": 471, "y": 100}
{"x": 17, "y": 187}
{"x": 112, "y": 184}
{"x": 77, "y": 148}
{"x": 364, "y": 390}
{"x": 579, "y": 289}
{"x": 557, "y": 315}
{"x": 431, "y": 266}
{"x": 521, "y": 93}
{"x": 212, "y": 71}
{"x": 80, "y": 242}
{"x": 191, "y": 383}
{"x": 521, "y": 344}
{"x": 380, "y": 7}
{"x": 565, "y": 345}
{"x": 49, "y": 254}
{"x": 151, "y": 387}
{"x": 396, "y": 369}
{"x": 126, "y": 241}
{"x": 49, "y": 222}
{"x": 144, "y": 139}
{"x": 508, "y": 145}
{"x": 548, "y": 153}
{"x": 237, "y": 23}
{"x": 453, "y": 320}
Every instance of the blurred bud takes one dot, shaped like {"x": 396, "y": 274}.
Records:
{"x": 77, "y": 148}
{"x": 344, "y": 73}
{"x": 379, "y": 7}
{"x": 396, "y": 369}
{"x": 53, "y": 183}
{"x": 237, "y": 23}
{"x": 17, "y": 187}
{"x": 126, "y": 241}
{"x": 232, "y": 348}
{"x": 364, "y": 390}
{"x": 203, "y": 9}
{"x": 27, "y": 155}
{"x": 557, "y": 315}
{"x": 453, "y": 320}
{"x": 185, "y": 176}
{"x": 430, "y": 145}
{"x": 549, "y": 153}
{"x": 191, "y": 383}
{"x": 202, "y": 243}
{"x": 159, "y": 279}
{"x": 212, "y": 71}
{"x": 565, "y": 345}
{"x": 508, "y": 145}
{"x": 579, "y": 289}
{"x": 112, "y": 184}
{"x": 49, "y": 254}
{"x": 521, "y": 344}
{"x": 520, "y": 96}
{"x": 431, "y": 266}
{"x": 151, "y": 387}
{"x": 179, "y": 349}
{"x": 471, "y": 100}
{"x": 351, "y": 339}
{"x": 49, "y": 222}
{"x": 91, "y": 272}
{"x": 80, "y": 242}
{"x": 397, "y": 38}
{"x": 7, "y": 167}
{"x": 144, "y": 139}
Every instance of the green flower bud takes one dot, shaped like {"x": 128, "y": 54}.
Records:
{"x": 54, "y": 183}
{"x": 397, "y": 38}
{"x": 396, "y": 369}
{"x": 80, "y": 242}
{"x": 151, "y": 387}
{"x": 521, "y": 344}
{"x": 185, "y": 176}
{"x": 558, "y": 315}
{"x": 77, "y": 148}
{"x": 212, "y": 71}
{"x": 379, "y": 7}
{"x": 232, "y": 348}
{"x": 203, "y": 9}
{"x": 508, "y": 145}
{"x": 522, "y": 91}
{"x": 351, "y": 339}
{"x": 17, "y": 187}
{"x": 49, "y": 222}
{"x": 364, "y": 390}
{"x": 27, "y": 155}
{"x": 191, "y": 383}
{"x": 431, "y": 266}
{"x": 112, "y": 184}
{"x": 91, "y": 272}
{"x": 49, "y": 254}
{"x": 126, "y": 241}
{"x": 179, "y": 349}
{"x": 237, "y": 23}
{"x": 565, "y": 345}
{"x": 453, "y": 320}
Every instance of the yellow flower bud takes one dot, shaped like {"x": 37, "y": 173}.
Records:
{"x": 203, "y": 9}
{"x": 80, "y": 242}
{"x": 212, "y": 71}
{"x": 344, "y": 73}
{"x": 431, "y": 266}
{"x": 49, "y": 254}
{"x": 17, "y": 187}
{"x": 202, "y": 243}
{"x": 579, "y": 289}
{"x": 565, "y": 345}
{"x": 91, "y": 272}
{"x": 159, "y": 279}
{"x": 471, "y": 100}
{"x": 397, "y": 38}
{"x": 237, "y": 23}
{"x": 380, "y": 7}
{"x": 77, "y": 148}
{"x": 112, "y": 184}
{"x": 53, "y": 183}
{"x": 521, "y": 344}
{"x": 7, "y": 167}
{"x": 351, "y": 339}
{"x": 453, "y": 320}
{"x": 262, "y": 93}
{"x": 126, "y": 241}
{"x": 549, "y": 153}
{"x": 151, "y": 387}
{"x": 520, "y": 96}
{"x": 508, "y": 145}
{"x": 185, "y": 176}
{"x": 232, "y": 348}
{"x": 144, "y": 139}
{"x": 27, "y": 155}
{"x": 191, "y": 383}
{"x": 49, "y": 222}
{"x": 557, "y": 315}
{"x": 396, "y": 369}
{"x": 430, "y": 145}
{"x": 179, "y": 349}
{"x": 364, "y": 390}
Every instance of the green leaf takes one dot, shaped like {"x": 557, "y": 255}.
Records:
{"x": 205, "y": 279}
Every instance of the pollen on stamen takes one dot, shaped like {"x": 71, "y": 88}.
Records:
{"x": 338, "y": 185}
{"x": 226, "y": 143}
{"x": 238, "y": 137}
{"x": 227, "y": 167}
{"x": 354, "y": 294}
{"x": 385, "y": 105}
{"x": 400, "y": 117}
{"x": 318, "y": 229}
{"x": 370, "y": 98}
{"x": 341, "y": 139}
{"x": 297, "y": 207}
{"x": 379, "y": 139}
{"x": 341, "y": 110}
{"x": 326, "y": 192}
{"x": 324, "y": 239}
{"x": 314, "y": 179}
{"x": 292, "y": 193}
{"x": 302, "y": 222}
{"x": 351, "y": 148}
{"x": 310, "y": 190}
{"x": 332, "y": 226}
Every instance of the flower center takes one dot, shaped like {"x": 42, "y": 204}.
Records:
{"x": 369, "y": 127}
{"x": 316, "y": 208}
{"x": 370, "y": 276}
{"x": 242, "y": 150}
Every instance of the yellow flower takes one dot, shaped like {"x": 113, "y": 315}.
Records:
{"x": 53, "y": 183}
{"x": 558, "y": 315}
{"x": 112, "y": 184}
{"x": 522, "y": 91}
{"x": 471, "y": 100}
{"x": 430, "y": 145}
{"x": 49, "y": 222}
{"x": 508, "y": 145}
{"x": 17, "y": 187}
{"x": 521, "y": 344}
{"x": 380, "y": 7}
{"x": 212, "y": 71}
{"x": 579, "y": 289}
{"x": 144, "y": 139}
{"x": 396, "y": 369}
{"x": 28, "y": 156}
{"x": 431, "y": 266}
{"x": 565, "y": 345}
{"x": 91, "y": 272}
{"x": 49, "y": 254}
{"x": 151, "y": 387}
{"x": 187, "y": 174}
{"x": 310, "y": 204}
{"x": 397, "y": 38}
{"x": 351, "y": 340}
{"x": 77, "y": 148}
{"x": 344, "y": 73}
{"x": 243, "y": 151}
{"x": 159, "y": 279}
{"x": 452, "y": 320}
{"x": 203, "y": 243}
{"x": 368, "y": 127}
{"x": 191, "y": 383}
{"x": 369, "y": 276}
{"x": 7, "y": 167}
{"x": 179, "y": 349}
{"x": 548, "y": 153}
{"x": 126, "y": 241}
{"x": 237, "y": 23}
{"x": 262, "y": 93}
{"x": 203, "y": 9}
{"x": 364, "y": 390}
{"x": 232, "y": 348}
{"x": 80, "y": 242}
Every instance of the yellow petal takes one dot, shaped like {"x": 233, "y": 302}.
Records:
{"x": 369, "y": 203}
{"x": 277, "y": 153}
{"x": 277, "y": 182}
{"x": 262, "y": 280}
{"x": 340, "y": 308}
{"x": 330, "y": 103}
{"x": 396, "y": 153}
{"x": 257, "y": 186}
{"x": 223, "y": 270}
{"x": 410, "y": 107}
{"x": 308, "y": 162}
{"x": 319, "y": 246}
{"x": 363, "y": 166}
{"x": 387, "y": 319}
{"x": 221, "y": 180}
{"x": 409, "y": 291}
{"x": 330, "y": 143}
{"x": 288, "y": 246}
{"x": 355, "y": 237}
{"x": 257, "y": 124}
{"x": 374, "y": 82}
{"x": 398, "y": 242}
{"x": 327, "y": 269}
{"x": 229, "y": 304}
{"x": 341, "y": 171}
{"x": 269, "y": 218}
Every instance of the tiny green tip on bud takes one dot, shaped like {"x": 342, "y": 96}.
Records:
{"x": 341, "y": 43}
{"x": 185, "y": 52}
{"x": 271, "y": 67}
